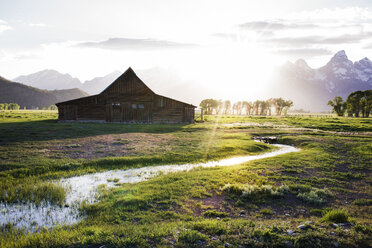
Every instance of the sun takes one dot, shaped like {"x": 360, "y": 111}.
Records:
{"x": 231, "y": 71}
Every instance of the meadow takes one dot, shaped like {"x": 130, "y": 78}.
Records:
{"x": 320, "y": 196}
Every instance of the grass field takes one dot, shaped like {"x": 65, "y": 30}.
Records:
{"x": 320, "y": 196}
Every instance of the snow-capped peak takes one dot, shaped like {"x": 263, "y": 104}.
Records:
{"x": 302, "y": 63}
{"x": 364, "y": 62}
{"x": 340, "y": 54}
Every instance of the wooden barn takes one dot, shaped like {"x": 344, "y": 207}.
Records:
{"x": 126, "y": 100}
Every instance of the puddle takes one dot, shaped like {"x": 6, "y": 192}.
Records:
{"x": 83, "y": 188}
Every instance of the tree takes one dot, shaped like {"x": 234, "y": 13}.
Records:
{"x": 366, "y": 103}
{"x": 353, "y": 103}
{"x": 287, "y": 105}
{"x": 209, "y": 105}
{"x": 52, "y": 107}
{"x": 263, "y": 107}
{"x": 227, "y": 107}
{"x": 279, "y": 104}
{"x": 13, "y": 106}
{"x": 219, "y": 107}
{"x": 338, "y": 104}
{"x": 270, "y": 103}
{"x": 237, "y": 108}
{"x": 248, "y": 107}
{"x": 256, "y": 106}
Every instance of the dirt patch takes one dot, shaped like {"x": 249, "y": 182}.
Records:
{"x": 112, "y": 145}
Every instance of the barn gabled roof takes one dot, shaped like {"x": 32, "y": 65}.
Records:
{"x": 128, "y": 75}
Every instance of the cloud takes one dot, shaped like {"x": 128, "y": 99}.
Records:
{"x": 38, "y": 25}
{"x": 344, "y": 15}
{"x": 225, "y": 35}
{"x": 304, "y": 52}
{"x": 312, "y": 40}
{"x": 26, "y": 56}
{"x": 274, "y": 25}
{"x": 369, "y": 46}
{"x": 134, "y": 44}
{"x": 4, "y": 26}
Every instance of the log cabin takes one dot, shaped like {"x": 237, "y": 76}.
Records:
{"x": 126, "y": 100}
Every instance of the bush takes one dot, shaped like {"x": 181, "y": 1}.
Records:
{"x": 363, "y": 202}
{"x": 266, "y": 211}
{"x": 336, "y": 215}
{"x": 255, "y": 191}
{"x": 317, "y": 212}
{"x": 315, "y": 196}
{"x": 189, "y": 238}
{"x": 214, "y": 213}
{"x": 312, "y": 240}
{"x": 363, "y": 229}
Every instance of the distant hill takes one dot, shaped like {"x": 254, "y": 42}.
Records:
{"x": 54, "y": 80}
{"x": 30, "y": 97}
{"x": 98, "y": 84}
{"x": 49, "y": 80}
{"x": 311, "y": 89}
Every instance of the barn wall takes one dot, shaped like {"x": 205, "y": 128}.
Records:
{"x": 91, "y": 112}
{"x": 167, "y": 110}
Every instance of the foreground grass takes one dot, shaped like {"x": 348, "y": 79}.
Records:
{"x": 255, "y": 204}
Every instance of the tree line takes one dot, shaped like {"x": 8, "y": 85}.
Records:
{"x": 9, "y": 106}
{"x": 15, "y": 106}
{"x": 277, "y": 106}
{"x": 358, "y": 103}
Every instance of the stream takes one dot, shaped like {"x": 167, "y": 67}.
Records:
{"x": 84, "y": 188}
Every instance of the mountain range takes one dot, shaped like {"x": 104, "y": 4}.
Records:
{"x": 309, "y": 88}
{"x": 160, "y": 80}
{"x": 312, "y": 88}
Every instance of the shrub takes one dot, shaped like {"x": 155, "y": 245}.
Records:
{"x": 312, "y": 240}
{"x": 363, "y": 229}
{"x": 255, "y": 191}
{"x": 214, "y": 213}
{"x": 233, "y": 188}
{"x": 363, "y": 202}
{"x": 266, "y": 211}
{"x": 317, "y": 212}
{"x": 190, "y": 237}
{"x": 315, "y": 196}
{"x": 336, "y": 215}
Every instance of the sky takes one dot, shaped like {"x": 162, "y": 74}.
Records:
{"x": 211, "y": 43}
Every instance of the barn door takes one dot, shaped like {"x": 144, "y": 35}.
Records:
{"x": 136, "y": 112}
{"x": 116, "y": 112}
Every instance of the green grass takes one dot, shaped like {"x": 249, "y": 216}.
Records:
{"x": 252, "y": 204}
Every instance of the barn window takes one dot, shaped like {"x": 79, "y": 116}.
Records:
{"x": 141, "y": 106}
{"x": 161, "y": 102}
{"x": 134, "y": 106}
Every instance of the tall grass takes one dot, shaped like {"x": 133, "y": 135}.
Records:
{"x": 256, "y": 191}
{"x": 305, "y": 193}
{"x": 37, "y": 193}
{"x": 315, "y": 196}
